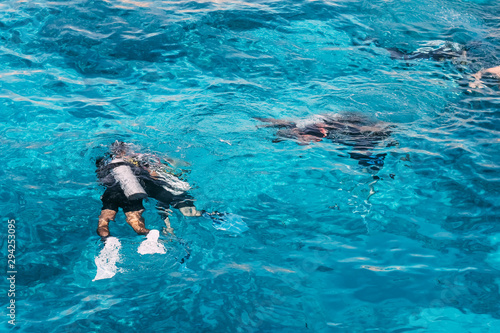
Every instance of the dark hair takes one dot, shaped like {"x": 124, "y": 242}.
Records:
{"x": 119, "y": 148}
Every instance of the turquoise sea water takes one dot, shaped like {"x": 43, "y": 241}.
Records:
{"x": 328, "y": 247}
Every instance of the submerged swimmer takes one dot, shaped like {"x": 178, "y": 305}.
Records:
{"x": 436, "y": 50}
{"x": 129, "y": 178}
{"x": 458, "y": 55}
{"x": 351, "y": 130}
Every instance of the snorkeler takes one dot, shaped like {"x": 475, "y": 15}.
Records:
{"x": 351, "y": 130}
{"x": 457, "y": 54}
{"x": 435, "y": 50}
{"x": 129, "y": 178}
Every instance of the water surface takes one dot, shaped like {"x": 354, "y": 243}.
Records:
{"x": 329, "y": 248}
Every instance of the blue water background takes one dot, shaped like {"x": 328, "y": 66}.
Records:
{"x": 185, "y": 79}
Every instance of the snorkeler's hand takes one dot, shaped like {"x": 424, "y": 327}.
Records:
{"x": 190, "y": 211}
{"x": 476, "y": 84}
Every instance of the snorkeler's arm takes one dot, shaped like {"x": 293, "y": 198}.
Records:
{"x": 275, "y": 122}
{"x": 494, "y": 71}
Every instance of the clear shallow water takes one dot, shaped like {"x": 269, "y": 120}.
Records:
{"x": 185, "y": 79}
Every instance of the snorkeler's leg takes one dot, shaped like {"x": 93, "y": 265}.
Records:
{"x": 136, "y": 221}
{"x": 103, "y": 226}
{"x": 168, "y": 227}
{"x": 108, "y": 211}
{"x": 164, "y": 199}
{"x": 164, "y": 213}
{"x": 183, "y": 202}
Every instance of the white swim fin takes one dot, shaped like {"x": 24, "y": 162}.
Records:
{"x": 150, "y": 245}
{"x": 106, "y": 261}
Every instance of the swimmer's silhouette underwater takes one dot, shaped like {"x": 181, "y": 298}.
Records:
{"x": 460, "y": 55}
{"x": 435, "y": 50}
{"x": 349, "y": 129}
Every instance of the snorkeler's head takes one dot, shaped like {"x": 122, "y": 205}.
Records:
{"x": 119, "y": 148}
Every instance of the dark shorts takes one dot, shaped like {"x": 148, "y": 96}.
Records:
{"x": 114, "y": 198}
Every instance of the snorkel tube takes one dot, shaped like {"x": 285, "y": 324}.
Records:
{"x": 128, "y": 181}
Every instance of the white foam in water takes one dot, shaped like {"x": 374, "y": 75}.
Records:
{"x": 150, "y": 245}
{"x": 106, "y": 261}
